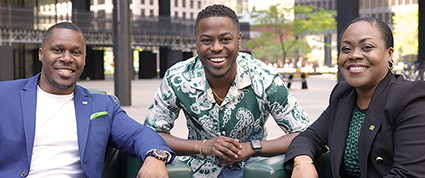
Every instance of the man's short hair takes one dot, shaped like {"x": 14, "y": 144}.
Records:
{"x": 217, "y": 10}
{"x": 63, "y": 25}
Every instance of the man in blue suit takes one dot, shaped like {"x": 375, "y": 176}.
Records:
{"x": 50, "y": 126}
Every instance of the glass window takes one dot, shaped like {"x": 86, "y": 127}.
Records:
{"x": 151, "y": 12}
{"x": 142, "y": 1}
{"x": 191, "y": 4}
{"x": 151, "y": 2}
{"x": 199, "y": 4}
{"x": 176, "y": 3}
{"x": 386, "y": 20}
{"x": 184, "y": 3}
{"x": 184, "y": 15}
{"x": 142, "y": 13}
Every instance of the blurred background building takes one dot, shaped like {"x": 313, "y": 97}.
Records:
{"x": 384, "y": 10}
{"x": 162, "y": 31}
{"x": 158, "y": 40}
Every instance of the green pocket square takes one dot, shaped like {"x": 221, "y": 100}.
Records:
{"x": 98, "y": 114}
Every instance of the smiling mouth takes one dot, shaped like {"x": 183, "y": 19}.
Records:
{"x": 65, "y": 71}
{"x": 357, "y": 68}
{"x": 217, "y": 59}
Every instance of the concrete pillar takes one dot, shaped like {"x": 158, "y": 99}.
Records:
{"x": 347, "y": 11}
{"x": 123, "y": 54}
{"x": 421, "y": 32}
{"x": 147, "y": 65}
{"x": 328, "y": 50}
{"x": 6, "y": 63}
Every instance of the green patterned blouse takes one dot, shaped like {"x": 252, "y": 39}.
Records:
{"x": 351, "y": 152}
{"x": 255, "y": 94}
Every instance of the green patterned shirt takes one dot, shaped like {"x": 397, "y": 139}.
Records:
{"x": 351, "y": 153}
{"x": 255, "y": 94}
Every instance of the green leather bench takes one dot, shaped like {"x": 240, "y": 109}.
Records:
{"x": 273, "y": 167}
{"x": 118, "y": 164}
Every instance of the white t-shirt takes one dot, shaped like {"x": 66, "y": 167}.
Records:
{"x": 55, "y": 152}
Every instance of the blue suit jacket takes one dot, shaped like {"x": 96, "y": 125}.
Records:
{"x": 17, "y": 128}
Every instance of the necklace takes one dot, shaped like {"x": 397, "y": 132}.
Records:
{"x": 215, "y": 94}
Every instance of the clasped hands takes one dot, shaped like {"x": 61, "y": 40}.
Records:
{"x": 227, "y": 150}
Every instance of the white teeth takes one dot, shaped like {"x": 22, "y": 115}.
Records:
{"x": 358, "y": 68}
{"x": 217, "y": 59}
{"x": 65, "y": 71}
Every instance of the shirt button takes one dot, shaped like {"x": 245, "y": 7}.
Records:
{"x": 379, "y": 159}
{"x": 223, "y": 132}
{"x": 24, "y": 174}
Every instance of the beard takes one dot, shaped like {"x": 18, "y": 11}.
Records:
{"x": 63, "y": 87}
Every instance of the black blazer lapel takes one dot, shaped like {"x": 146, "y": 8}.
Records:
{"x": 342, "y": 120}
{"x": 373, "y": 121}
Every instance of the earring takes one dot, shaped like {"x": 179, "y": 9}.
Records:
{"x": 391, "y": 65}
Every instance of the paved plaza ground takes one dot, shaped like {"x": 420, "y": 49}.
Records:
{"x": 314, "y": 99}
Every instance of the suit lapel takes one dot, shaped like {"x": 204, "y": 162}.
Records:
{"x": 342, "y": 120}
{"x": 82, "y": 112}
{"x": 373, "y": 121}
{"x": 28, "y": 99}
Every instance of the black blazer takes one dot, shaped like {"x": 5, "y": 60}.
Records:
{"x": 392, "y": 138}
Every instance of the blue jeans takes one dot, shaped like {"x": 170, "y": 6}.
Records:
{"x": 236, "y": 172}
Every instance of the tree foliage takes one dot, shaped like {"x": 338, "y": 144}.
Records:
{"x": 406, "y": 32}
{"x": 283, "y": 34}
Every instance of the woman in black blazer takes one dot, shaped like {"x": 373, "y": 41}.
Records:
{"x": 374, "y": 125}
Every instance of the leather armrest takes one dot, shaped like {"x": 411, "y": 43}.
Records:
{"x": 273, "y": 167}
{"x": 120, "y": 164}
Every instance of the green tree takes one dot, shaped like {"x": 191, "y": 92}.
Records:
{"x": 283, "y": 33}
{"x": 406, "y": 32}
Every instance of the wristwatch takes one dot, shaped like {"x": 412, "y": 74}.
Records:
{"x": 158, "y": 154}
{"x": 256, "y": 145}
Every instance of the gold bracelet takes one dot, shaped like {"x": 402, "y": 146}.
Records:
{"x": 200, "y": 148}
{"x": 309, "y": 162}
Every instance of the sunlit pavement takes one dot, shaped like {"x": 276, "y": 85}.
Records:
{"x": 314, "y": 99}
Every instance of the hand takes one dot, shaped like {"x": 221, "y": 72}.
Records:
{"x": 246, "y": 152}
{"x": 224, "y": 148}
{"x": 153, "y": 168}
{"x": 303, "y": 168}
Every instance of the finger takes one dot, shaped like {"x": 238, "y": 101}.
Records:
{"x": 231, "y": 150}
{"x": 233, "y": 141}
{"x": 220, "y": 154}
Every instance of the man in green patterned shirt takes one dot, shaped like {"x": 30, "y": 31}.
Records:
{"x": 226, "y": 97}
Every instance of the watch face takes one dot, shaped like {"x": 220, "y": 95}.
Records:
{"x": 160, "y": 153}
{"x": 256, "y": 144}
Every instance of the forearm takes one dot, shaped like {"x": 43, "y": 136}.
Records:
{"x": 182, "y": 147}
{"x": 277, "y": 146}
